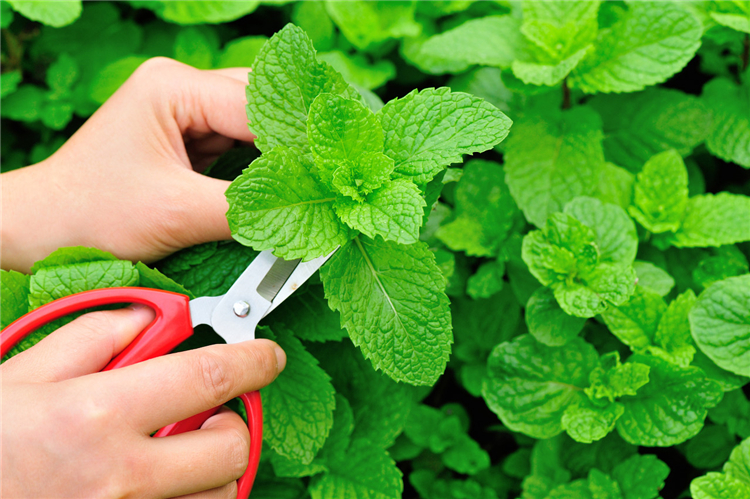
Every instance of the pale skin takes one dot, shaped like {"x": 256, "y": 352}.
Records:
{"x": 125, "y": 183}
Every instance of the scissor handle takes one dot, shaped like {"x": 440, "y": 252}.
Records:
{"x": 171, "y": 326}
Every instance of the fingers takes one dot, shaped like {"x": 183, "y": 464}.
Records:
{"x": 236, "y": 73}
{"x": 81, "y": 347}
{"x": 168, "y": 389}
{"x": 210, "y": 459}
{"x": 228, "y": 491}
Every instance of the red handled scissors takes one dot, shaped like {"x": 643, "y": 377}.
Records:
{"x": 265, "y": 284}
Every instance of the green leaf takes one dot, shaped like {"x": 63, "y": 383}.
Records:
{"x": 313, "y": 18}
{"x": 51, "y": 283}
{"x": 428, "y": 130}
{"x": 551, "y": 160}
{"x": 728, "y": 262}
{"x": 613, "y": 380}
{"x": 586, "y": 422}
{"x": 711, "y": 447}
{"x": 70, "y": 255}
{"x": 58, "y": 13}
{"x": 9, "y": 82}
{"x": 208, "y": 269}
{"x": 152, "y": 278}
{"x": 534, "y": 73}
{"x": 24, "y": 104}
{"x": 560, "y": 28}
{"x": 277, "y": 204}
{"x": 671, "y": 408}
{"x": 241, "y": 52}
{"x": 547, "y": 322}
{"x": 393, "y": 212}
{"x": 484, "y": 211}
{"x": 720, "y": 324}
{"x": 62, "y": 74}
{"x": 635, "y": 322}
{"x": 366, "y": 24}
{"x": 487, "y": 280}
{"x": 210, "y": 11}
{"x": 278, "y": 102}
{"x": 196, "y": 47}
{"x": 673, "y": 334}
{"x": 641, "y": 476}
{"x": 733, "y": 482}
{"x": 379, "y": 405}
{"x": 661, "y": 193}
{"x": 729, "y": 137}
{"x": 298, "y": 405}
{"x": 711, "y": 220}
{"x": 641, "y": 125}
{"x": 358, "y": 71}
{"x": 530, "y": 385}
{"x": 392, "y": 302}
{"x": 653, "y": 278}
{"x": 489, "y": 41}
{"x": 616, "y": 238}
{"x": 14, "y": 293}
{"x": 615, "y": 186}
{"x": 347, "y": 142}
{"x": 364, "y": 470}
{"x": 650, "y": 43}
{"x": 307, "y": 315}
{"x": 564, "y": 256}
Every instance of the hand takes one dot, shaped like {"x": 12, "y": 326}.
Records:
{"x": 69, "y": 430}
{"x": 125, "y": 182}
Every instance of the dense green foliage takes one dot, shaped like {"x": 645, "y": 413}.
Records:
{"x": 565, "y": 315}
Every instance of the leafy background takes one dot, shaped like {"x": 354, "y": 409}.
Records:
{"x": 628, "y": 156}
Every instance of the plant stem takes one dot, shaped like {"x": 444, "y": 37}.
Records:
{"x": 566, "y": 94}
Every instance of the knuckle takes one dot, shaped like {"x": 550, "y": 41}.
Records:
{"x": 95, "y": 322}
{"x": 93, "y": 413}
{"x": 216, "y": 377}
{"x": 263, "y": 359}
{"x": 156, "y": 65}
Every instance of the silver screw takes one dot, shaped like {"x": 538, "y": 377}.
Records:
{"x": 241, "y": 309}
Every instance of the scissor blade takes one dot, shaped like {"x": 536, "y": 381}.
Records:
{"x": 202, "y": 308}
{"x": 274, "y": 280}
{"x": 300, "y": 275}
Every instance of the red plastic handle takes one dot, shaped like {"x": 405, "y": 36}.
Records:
{"x": 171, "y": 327}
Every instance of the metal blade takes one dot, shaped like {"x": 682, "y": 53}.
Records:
{"x": 300, "y": 275}
{"x": 201, "y": 309}
{"x": 276, "y": 277}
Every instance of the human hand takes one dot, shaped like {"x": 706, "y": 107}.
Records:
{"x": 125, "y": 182}
{"x": 69, "y": 430}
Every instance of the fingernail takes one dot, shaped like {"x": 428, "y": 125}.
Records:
{"x": 280, "y": 359}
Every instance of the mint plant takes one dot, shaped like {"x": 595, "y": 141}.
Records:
{"x": 529, "y": 322}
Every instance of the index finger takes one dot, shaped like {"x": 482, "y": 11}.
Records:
{"x": 167, "y": 389}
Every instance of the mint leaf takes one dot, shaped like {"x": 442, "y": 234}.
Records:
{"x": 729, "y": 137}
{"x": 560, "y": 28}
{"x": 616, "y": 238}
{"x": 57, "y": 14}
{"x": 51, "y": 283}
{"x": 653, "y": 41}
{"x": 70, "y": 255}
{"x": 484, "y": 211}
{"x": 14, "y": 293}
{"x": 586, "y": 422}
{"x": 298, "y": 405}
{"x": 728, "y": 262}
{"x": 393, "y": 212}
{"x": 613, "y": 379}
{"x": 188, "y": 12}
{"x": 487, "y": 280}
{"x": 530, "y": 385}
{"x": 641, "y": 476}
{"x": 673, "y": 334}
{"x": 653, "y": 278}
{"x": 364, "y": 470}
{"x": 208, "y": 269}
{"x": 564, "y": 256}
{"x": 392, "y": 302}
{"x": 635, "y": 322}
{"x": 428, "y": 130}
{"x": 733, "y": 482}
{"x": 551, "y": 160}
{"x": 366, "y": 24}
{"x": 661, "y": 193}
{"x": 534, "y": 73}
{"x": 641, "y": 125}
{"x": 489, "y": 41}
{"x": 278, "y": 204}
{"x": 671, "y": 408}
{"x": 152, "y": 278}
{"x": 113, "y": 76}
{"x": 278, "y": 101}
{"x": 720, "y": 324}
{"x": 358, "y": 71}
{"x": 379, "y": 405}
{"x": 307, "y": 315}
{"x": 346, "y": 140}
{"x": 711, "y": 220}
{"x": 547, "y": 322}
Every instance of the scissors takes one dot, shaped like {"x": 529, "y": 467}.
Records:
{"x": 262, "y": 287}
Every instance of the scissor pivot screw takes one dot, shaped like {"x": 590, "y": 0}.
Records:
{"x": 241, "y": 309}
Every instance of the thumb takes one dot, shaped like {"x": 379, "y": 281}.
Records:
{"x": 81, "y": 347}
